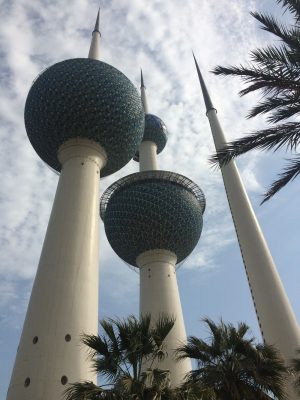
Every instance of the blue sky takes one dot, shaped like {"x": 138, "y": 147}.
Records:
{"x": 157, "y": 36}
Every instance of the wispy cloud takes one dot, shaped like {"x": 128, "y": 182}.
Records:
{"x": 157, "y": 36}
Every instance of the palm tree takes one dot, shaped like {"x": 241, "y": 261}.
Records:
{"x": 275, "y": 72}
{"x": 296, "y": 371}
{"x": 119, "y": 357}
{"x": 233, "y": 366}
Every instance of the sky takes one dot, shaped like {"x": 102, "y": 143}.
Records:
{"x": 158, "y": 36}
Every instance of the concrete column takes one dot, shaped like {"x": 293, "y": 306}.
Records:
{"x": 64, "y": 298}
{"x": 147, "y": 156}
{"x": 159, "y": 294}
{"x": 144, "y": 99}
{"x": 94, "y": 51}
{"x": 276, "y": 318}
{"x": 147, "y": 149}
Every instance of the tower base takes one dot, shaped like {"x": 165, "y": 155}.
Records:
{"x": 159, "y": 295}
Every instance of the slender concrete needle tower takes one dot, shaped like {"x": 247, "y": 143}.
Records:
{"x": 154, "y": 139}
{"x": 94, "y": 52}
{"x": 276, "y": 318}
{"x": 84, "y": 118}
{"x": 158, "y": 283}
{"x": 143, "y": 94}
{"x": 153, "y": 220}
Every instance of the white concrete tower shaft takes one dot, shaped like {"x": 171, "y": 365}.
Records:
{"x": 159, "y": 294}
{"x": 147, "y": 148}
{"x": 276, "y": 318}
{"x": 94, "y": 51}
{"x": 64, "y": 299}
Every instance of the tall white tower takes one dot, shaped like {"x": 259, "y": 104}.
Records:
{"x": 94, "y": 51}
{"x": 276, "y": 318}
{"x": 159, "y": 292}
{"x": 85, "y": 119}
{"x": 154, "y": 139}
{"x": 149, "y": 146}
{"x": 153, "y": 220}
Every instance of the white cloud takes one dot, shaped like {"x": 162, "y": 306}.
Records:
{"x": 157, "y": 36}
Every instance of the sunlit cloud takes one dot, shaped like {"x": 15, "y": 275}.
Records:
{"x": 159, "y": 37}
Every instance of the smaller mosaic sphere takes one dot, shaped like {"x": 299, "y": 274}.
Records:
{"x": 84, "y": 98}
{"x": 155, "y": 131}
{"x": 153, "y": 210}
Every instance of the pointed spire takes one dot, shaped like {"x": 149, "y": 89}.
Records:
{"x": 142, "y": 80}
{"x": 207, "y": 100}
{"x": 143, "y": 94}
{"x": 97, "y": 24}
{"x": 94, "y": 52}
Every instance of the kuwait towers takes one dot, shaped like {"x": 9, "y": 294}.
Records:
{"x": 276, "y": 318}
{"x": 85, "y": 119}
{"x": 153, "y": 221}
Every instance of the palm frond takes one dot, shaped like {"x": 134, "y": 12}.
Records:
{"x": 285, "y": 112}
{"x": 270, "y": 24}
{"x": 96, "y": 344}
{"x": 119, "y": 356}
{"x": 126, "y": 384}
{"x": 290, "y": 172}
{"x": 284, "y": 135}
{"x": 243, "y": 329}
{"x": 109, "y": 368}
{"x": 88, "y": 391}
{"x": 111, "y": 335}
{"x": 274, "y": 71}
{"x": 158, "y": 378}
{"x": 281, "y": 107}
{"x": 258, "y": 79}
{"x": 296, "y": 362}
{"x": 145, "y": 321}
{"x": 215, "y": 329}
{"x": 296, "y": 371}
{"x": 276, "y": 56}
{"x": 293, "y": 6}
{"x": 237, "y": 368}
{"x": 197, "y": 391}
{"x": 162, "y": 328}
{"x": 195, "y": 348}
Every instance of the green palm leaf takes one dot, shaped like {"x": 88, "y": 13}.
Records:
{"x": 296, "y": 371}
{"x": 88, "y": 391}
{"x": 274, "y": 71}
{"x": 290, "y": 172}
{"x": 293, "y": 6}
{"x": 120, "y": 355}
{"x": 162, "y": 328}
{"x": 232, "y": 366}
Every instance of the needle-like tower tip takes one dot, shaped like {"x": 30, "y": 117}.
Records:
{"x": 206, "y": 96}
{"x": 97, "y": 24}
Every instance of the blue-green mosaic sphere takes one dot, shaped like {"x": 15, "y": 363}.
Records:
{"x": 155, "y": 131}
{"x": 152, "y": 210}
{"x": 84, "y": 98}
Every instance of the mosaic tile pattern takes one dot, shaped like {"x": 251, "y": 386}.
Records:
{"x": 88, "y": 99}
{"x": 152, "y": 210}
{"x": 155, "y": 131}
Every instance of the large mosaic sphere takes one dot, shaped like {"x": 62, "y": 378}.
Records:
{"x": 155, "y": 131}
{"x": 84, "y": 98}
{"x": 152, "y": 210}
